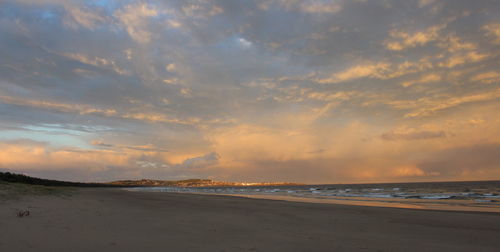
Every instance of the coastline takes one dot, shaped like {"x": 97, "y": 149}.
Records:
{"x": 118, "y": 220}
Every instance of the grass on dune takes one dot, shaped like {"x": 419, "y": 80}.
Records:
{"x": 12, "y": 191}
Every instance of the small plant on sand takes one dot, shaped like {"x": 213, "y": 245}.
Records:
{"x": 23, "y": 213}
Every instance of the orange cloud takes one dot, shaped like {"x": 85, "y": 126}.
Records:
{"x": 401, "y": 40}
{"x": 84, "y": 109}
{"x": 460, "y": 59}
{"x": 39, "y": 157}
{"x": 487, "y": 77}
{"x": 409, "y": 171}
{"x": 493, "y": 31}
{"x": 432, "y": 77}
{"x": 63, "y": 107}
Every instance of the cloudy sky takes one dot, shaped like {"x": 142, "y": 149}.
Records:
{"x": 312, "y": 91}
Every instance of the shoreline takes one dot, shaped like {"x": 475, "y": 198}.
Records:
{"x": 352, "y": 201}
{"x": 113, "y": 219}
{"x": 370, "y": 202}
{"x": 422, "y": 204}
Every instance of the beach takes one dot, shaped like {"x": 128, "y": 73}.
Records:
{"x": 111, "y": 219}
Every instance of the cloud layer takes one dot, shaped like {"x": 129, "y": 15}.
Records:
{"x": 317, "y": 91}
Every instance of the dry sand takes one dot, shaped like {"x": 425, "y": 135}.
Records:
{"x": 118, "y": 220}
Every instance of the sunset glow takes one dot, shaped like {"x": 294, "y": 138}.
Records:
{"x": 313, "y": 91}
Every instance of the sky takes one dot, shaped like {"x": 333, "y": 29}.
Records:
{"x": 312, "y": 91}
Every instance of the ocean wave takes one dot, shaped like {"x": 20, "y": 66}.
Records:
{"x": 467, "y": 193}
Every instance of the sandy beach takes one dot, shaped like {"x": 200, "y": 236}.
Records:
{"x": 119, "y": 220}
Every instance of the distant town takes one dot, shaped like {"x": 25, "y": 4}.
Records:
{"x": 193, "y": 183}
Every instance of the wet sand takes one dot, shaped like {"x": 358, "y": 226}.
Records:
{"x": 454, "y": 205}
{"x": 119, "y": 220}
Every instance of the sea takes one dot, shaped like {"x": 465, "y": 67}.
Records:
{"x": 482, "y": 196}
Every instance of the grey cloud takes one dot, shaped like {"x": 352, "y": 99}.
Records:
{"x": 144, "y": 148}
{"x": 147, "y": 148}
{"x": 472, "y": 160}
{"x": 200, "y": 162}
{"x": 419, "y": 135}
